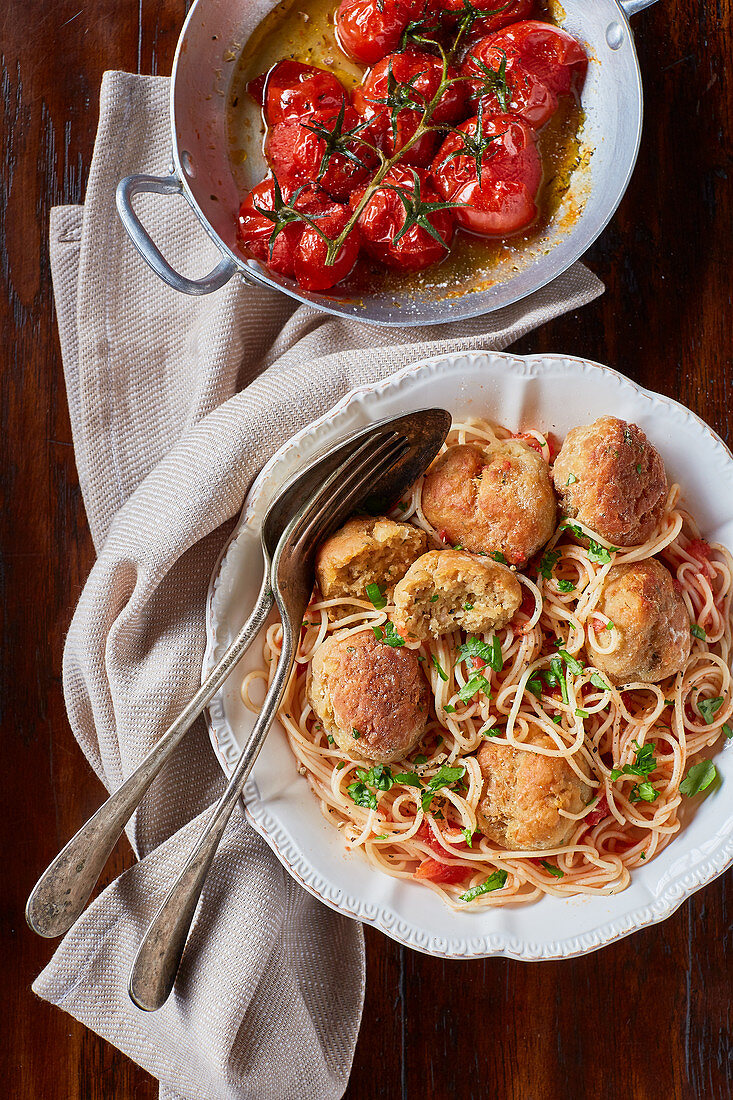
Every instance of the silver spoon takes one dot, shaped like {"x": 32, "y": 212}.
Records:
{"x": 156, "y": 964}
{"x": 63, "y": 889}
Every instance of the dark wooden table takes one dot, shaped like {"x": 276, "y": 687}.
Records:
{"x": 648, "y": 1017}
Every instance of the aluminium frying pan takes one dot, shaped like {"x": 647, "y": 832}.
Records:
{"x": 215, "y": 32}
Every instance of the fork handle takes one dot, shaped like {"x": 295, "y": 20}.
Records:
{"x": 156, "y": 963}
{"x": 63, "y": 889}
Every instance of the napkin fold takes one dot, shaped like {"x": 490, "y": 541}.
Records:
{"x": 175, "y": 404}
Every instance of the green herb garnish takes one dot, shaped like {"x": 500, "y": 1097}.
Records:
{"x": 549, "y": 867}
{"x": 376, "y": 596}
{"x": 495, "y": 881}
{"x": 698, "y": 778}
{"x": 444, "y": 777}
{"x": 709, "y": 707}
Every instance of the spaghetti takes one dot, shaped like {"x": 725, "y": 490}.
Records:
{"x": 417, "y": 818}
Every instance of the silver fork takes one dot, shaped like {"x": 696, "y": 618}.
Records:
{"x": 156, "y": 964}
{"x": 63, "y": 889}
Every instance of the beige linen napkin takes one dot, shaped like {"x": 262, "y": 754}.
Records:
{"x": 175, "y": 404}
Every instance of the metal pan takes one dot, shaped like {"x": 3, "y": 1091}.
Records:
{"x": 213, "y": 36}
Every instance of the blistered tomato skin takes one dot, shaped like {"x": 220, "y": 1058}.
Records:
{"x": 549, "y": 53}
{"x": 296, "y": 154}
{"x": 367, "y": 30}
{"x": 520, "y": 9}
{"x": 255, "y": 229}
{"x": 502, "y": 200}
{"x": 527, "y": 96}
{"x": 417, "y": 76}
{"x": 384, "y": 216}
{"x": 309, "y": 262}
{"x": 294, "y": 91}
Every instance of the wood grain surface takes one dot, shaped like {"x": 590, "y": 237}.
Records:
{"x": 646, "y": 1018}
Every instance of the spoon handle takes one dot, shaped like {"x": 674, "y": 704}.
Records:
{"x": 156, "y": 963}
{"x": 63, "y": 889}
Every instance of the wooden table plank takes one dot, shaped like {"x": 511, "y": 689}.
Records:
{"x": 647, "y": 1017}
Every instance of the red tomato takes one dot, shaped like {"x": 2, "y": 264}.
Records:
{"x": 297, "y": 250}
{"x": 385, "y": 214}
{"x": 255, "y": 229}
{"x": 294, "y": 91}
{"x": 418, "y": 76}
{"x": 598, "y": 813}
{"x": 435, "y": 871}
{"x": 702, "y": 551}
{"x": 527, "y": 96}
{"x": 530, "y": 440}
{"x": 519, "y": 9}
{"x": 368, "y": 29}
{"x": 550, "y": 54}
{"x": 299, "y": 155}
{"x": 502, "y": 201}
{"x": 426, "y": 834}
{"x": 310, "y": 253}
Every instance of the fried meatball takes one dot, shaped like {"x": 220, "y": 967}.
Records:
{"x": 610, "y": 477}
{"x": 651, "y": 620}
{"x": 522, "y": 795}
{"x": 493, "y": 498}
{"x": 367, "y": 550}
{"x": 371, "y": 698}
{"x": 445, "y": 589}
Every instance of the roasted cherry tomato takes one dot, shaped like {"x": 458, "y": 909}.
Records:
{"x": 293, "y": 247}
{"x": 383, "y": 220}
{"x": 294, "y": 91}
{"x": 408, "y": 80}
{"x": 255, "y": 228}
{"x": 511, "y": 90}
{"x": 500, "y": 198}
{"x": 550, "y": 54}
{"x": 320, "y": 150}
{"x": 435, "y": 871}
{"x": 368, "y": 29}
{"x": 311, "y": 269}
{"x": 494, "y": 19}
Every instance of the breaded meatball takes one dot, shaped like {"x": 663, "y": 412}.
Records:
{"x": 651, "y": 620}
{"x": 367, "y": 550}
{"x": 609, "y": 476}
{"x": 493, "y": 498}
{"x": 372, "y": 698}
{"x": 522, "y": 795}
{"x": 444, "y": 589}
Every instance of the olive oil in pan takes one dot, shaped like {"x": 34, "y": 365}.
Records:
{"x": 304, "y": 31}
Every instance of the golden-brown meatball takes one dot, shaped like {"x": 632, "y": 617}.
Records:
{"x": 367, "y": 550}
{"x": 651, "y": 621}
{"x": 493, "y": 498}
{"x": 610, "y": 477}
{"x": 523, "y": 794}
{"x": 371, "y": 698}
{"x": 445, "y": 589}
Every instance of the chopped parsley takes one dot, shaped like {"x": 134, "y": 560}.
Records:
{"x": 376, "y": 596}
{"x": 362, "y": 796}
{"x": 434, "y": 597}
{"x": 443, "y": 675}
{"x": 409, "y": 779}
{"x": 379, "y": 777}
{"x": 355, "y": 733}
{"x": 708, "y": 707}
{"x": 573, "y": 664}
{"x": 330, "y": 739}
{"x": 468, "y": 607}
{"x": 698, "y": 778}
{"x": 468, "y": 837}
{"x": 449, "y": 708}
{"x": 644, "y": 763}
{"x": 341, "y": 764}
{"x": 487, "y": 651}
{"x": 560, "y": 678}
{"x": 388, "y": 635}
{"x": 476, "y": 684}
{"x": 444, "y": 777}
{"x": 565, "y": 585}
{"x": 551, "y": 869}
{"x": 698, "y": 632}
{"x": 534, "y": 685}
{"x": 596, "y": 552}
{"x": 498, "y": 556}
{"x": 580, "y": 713}
{"x": 643, "y": 792}
{"x": 638, "y": 467}
{"x": 727, "y": 730}
{"x": 598, "y": 681}
{"x": 548, "y": 562}
{"x": 571, "y": 480}
{"x": 421, "y": 758}
{"x": 495, "y": 881}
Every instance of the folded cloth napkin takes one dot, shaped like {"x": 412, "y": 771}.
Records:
{"x": 175, "y": 404}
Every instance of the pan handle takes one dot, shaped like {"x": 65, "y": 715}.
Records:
{"x": 167, "y": 185}
{"x": 631, "y": 7}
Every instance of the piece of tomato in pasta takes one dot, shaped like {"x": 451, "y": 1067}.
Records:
{"x": 598, "y": 813}
{"x": 435, "y": 871}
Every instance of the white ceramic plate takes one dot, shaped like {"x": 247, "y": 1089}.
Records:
{"x": 553, "y": 393}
